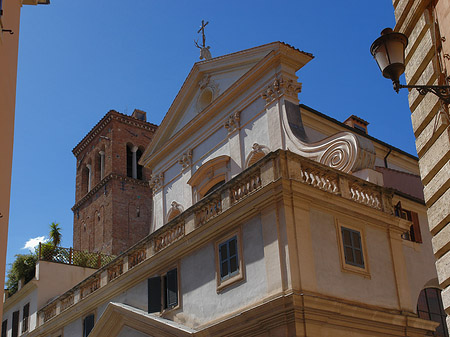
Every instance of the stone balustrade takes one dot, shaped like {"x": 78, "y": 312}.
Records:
{"x": 275, "y": 166}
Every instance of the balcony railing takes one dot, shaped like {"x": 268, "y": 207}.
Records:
{"x": 50, "y": 253}
{"x": 273, "y": 167}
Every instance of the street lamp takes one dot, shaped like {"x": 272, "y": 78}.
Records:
{"x": 389, "y": 52}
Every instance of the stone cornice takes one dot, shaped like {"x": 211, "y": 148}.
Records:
{"x": 102, "y": 183}
{"x": 112, "y": 114}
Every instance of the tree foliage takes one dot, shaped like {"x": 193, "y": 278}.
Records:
{"x": 55, "y": 234}
{"x": 23, "y": 267}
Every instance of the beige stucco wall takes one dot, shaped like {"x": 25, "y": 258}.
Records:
{"x": 8, "y": 69}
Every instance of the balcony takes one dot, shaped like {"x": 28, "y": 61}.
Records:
{"x": 275, "y": 167}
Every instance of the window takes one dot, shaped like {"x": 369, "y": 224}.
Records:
{"x": 351, "y": 245}
{"x": 134, "y": 170}
{"x": 4, "y": 327}
{"x": 88, "y": 325}
{"x": 414, "y": 233}
{"x": 15, "y": 324}
{"x": 229, "y": 264}
{"x": 25, "y": 314}
{"x": 163, "y": 292}
{"x": 351, "y": 241}
{"x": 429, "y": 306}
{"x": 209, "y": 176}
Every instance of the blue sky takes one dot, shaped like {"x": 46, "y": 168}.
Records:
{"x": 79, "y": 59}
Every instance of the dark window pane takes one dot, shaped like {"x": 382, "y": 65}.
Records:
{"x": 233, "y": 264}
{"x": 356, "y": 240}
{"x": 88, "y": 325}
{"x": 15, "y": 324}
{"x": 25, "y": 314}
{"x": 422, "y": 302}
{"x": 433, "y": 298}
{"x": 346, "y": 237}
{"x": 232, "y": 245}
{"x": 223, "y": 252}
{"x": 4, "y": 326}
{"x": 154, "y": 294}
{"x": 224, "y": 269}
{"x": 423, "y": 314}
{"x": 358, "y": 257}
{"x": 349, "y": 255}
{"x": 172, "y": 288}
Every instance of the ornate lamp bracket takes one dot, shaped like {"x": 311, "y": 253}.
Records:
{"x": 442, "y": 91}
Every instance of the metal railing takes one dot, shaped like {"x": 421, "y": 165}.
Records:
{"x": 50, "y": 253}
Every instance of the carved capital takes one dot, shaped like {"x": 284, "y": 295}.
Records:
{"x": 186, "y": 159}
{"x": 280, "y": 87}
{"x": 156, "y": 182}
{"x": 233, "y": 122}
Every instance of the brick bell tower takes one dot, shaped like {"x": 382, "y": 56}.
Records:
{"x": 113, "y": 201}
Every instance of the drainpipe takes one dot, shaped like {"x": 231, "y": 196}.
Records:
{"x": 385, "y": 157}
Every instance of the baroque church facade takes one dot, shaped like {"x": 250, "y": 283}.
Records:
{"x": 244, "y": 213}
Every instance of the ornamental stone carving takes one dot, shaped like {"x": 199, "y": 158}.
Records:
{"x": 186, "y": 159}
{"x": 258, "y": 151}
{"x": 345, "y": 151}
{"x": 156, "y": 182}
{"x": 203, "y": 83}
{"x": 281, "y": 87}
{"x": 233, "y": 122}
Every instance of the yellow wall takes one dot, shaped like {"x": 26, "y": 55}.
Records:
{"x": 8, "y": 73}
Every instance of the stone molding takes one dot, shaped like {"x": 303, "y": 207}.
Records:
{"x": 279, "y": 87}
{"x": 186, "y": 159}
{"x": 112, "y": 114}
{"x": 233, "y": 122}
{"x": 156, "y": 182}
{"x": 103, "y": 182}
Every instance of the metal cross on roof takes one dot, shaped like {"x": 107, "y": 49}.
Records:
{"x": 202, "y": 29}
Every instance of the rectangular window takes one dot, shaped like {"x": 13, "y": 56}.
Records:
{"x": 88, "y": 325}
{"x": 351, "y": 240}
{"x": 15, "y": 324}
{"x": 25, "y": 314}
{"x": 163, "y": 291}
{"x": 414, "y": 233}
{"x": 229, "y": 262}
{"x": 4, "y": 327}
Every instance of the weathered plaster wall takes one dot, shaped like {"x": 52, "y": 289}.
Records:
{"x": 200, "y": 300}
{"x": 379, "y": 289}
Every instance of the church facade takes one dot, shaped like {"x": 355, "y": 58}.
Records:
{"x": 267, "y": 218}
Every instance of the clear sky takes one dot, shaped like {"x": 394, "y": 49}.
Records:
{"x": 79, "y": 59}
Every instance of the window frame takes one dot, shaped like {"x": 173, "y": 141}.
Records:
{"x": 163, "y": 290}
{"x": 352, "y": 267}
{"x": 25, "y": 319}
{"x": 84, "y": 323}
{"x": 235, "y": 277}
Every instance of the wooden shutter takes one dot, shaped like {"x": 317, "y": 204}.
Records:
{"x": 15, "y": 324}
{"x": 88, "y": 325}
{"x": 416, "y": 227}
{"x": 154, "y": 294}
{"x": 4, "y": 327}
{"x": 172, "y": 288}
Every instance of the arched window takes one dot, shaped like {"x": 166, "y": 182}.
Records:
{"x": 209, "y": 176}
{"x": 429, "y": 306}
{"x": 134, "y": 170}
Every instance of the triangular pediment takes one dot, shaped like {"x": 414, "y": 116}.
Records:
{"x": 209, "y": 83}
{"x": 123, "y": 320}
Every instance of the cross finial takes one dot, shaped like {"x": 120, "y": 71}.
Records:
{"x": 204, "y": 50}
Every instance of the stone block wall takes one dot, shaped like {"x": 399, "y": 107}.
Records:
{"x": 427, "y": 25}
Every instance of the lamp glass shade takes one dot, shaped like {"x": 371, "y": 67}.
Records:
{"x": 389, "y": 52}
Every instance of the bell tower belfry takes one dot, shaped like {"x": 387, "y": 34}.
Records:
{"x": 113, "y": 200}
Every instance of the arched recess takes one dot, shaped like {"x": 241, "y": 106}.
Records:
{"x": 429, "y": 306}
{"x": 211, "y": 174}
{"x": 175, "y": 210}
{"x": 257, "y": 152}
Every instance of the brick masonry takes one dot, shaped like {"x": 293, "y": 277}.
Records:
{"x": 116, "y": 212}
{"x": 427, "y": 25}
